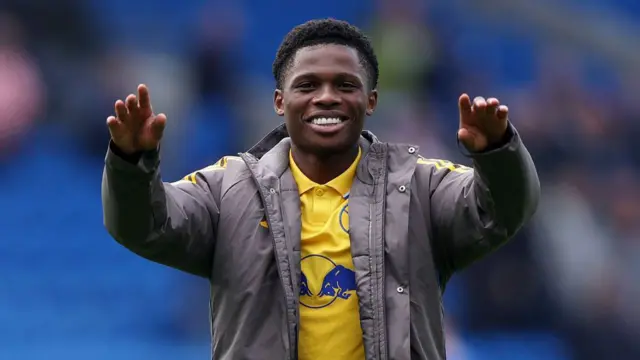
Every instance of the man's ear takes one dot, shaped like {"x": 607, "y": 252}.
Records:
{"x": 372, "y": 102}
{"x": 278, "y": 102}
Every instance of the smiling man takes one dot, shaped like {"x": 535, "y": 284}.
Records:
{"x": 321, "y": 240}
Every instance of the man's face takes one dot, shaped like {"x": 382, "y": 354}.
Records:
{"x": 324, "y": 99}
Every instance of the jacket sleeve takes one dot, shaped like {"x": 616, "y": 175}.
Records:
{"x": 169, "y": 223}
{"x": 475, "y": 211}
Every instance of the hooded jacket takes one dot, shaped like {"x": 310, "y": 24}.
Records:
{"x": 413, "y": 222}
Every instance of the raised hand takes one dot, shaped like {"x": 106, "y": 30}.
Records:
{"x": 135, "y": 128}
{"x": 482, "y": 124}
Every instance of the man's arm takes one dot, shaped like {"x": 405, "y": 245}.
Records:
{"x": 474, "y": 211}
{"x": 171, "y": 224}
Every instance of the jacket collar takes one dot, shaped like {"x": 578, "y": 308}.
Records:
{"x": 272, "y": 151}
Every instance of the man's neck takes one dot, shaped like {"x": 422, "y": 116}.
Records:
{"x": 322, "y": 169}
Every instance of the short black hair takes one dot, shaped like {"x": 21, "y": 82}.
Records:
{"x": 325, "y": 31}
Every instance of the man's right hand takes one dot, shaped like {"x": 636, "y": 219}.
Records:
{"x": 135, "y": 128}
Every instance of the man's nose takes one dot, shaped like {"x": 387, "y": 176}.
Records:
{"x": 327, "y": 96}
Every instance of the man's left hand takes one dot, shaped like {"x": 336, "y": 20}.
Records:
{"x": 483, "y": 123}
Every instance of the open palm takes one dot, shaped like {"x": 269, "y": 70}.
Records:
{"x": 135, "y": 128}
{"x": 483, "y": 123}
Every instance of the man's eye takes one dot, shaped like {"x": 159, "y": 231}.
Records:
{"x": 305, "y": 85}
{"x": 348, "y": 85}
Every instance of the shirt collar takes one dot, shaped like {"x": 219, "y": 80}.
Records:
{"x": 341, "y": 183}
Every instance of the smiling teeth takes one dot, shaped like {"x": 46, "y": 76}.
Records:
{"x": 326, "y": 121}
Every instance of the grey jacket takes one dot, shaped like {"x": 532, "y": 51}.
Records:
{"x": 413, "y": 223}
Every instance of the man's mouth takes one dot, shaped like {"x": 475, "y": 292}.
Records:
{"x": 326, "y": 121}
{"x": 327, "y": 125}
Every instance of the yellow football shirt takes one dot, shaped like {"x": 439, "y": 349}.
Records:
{"x": 329, "y": 315}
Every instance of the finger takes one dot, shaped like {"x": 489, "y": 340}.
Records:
{"x": 115, "y": 126}
{"x": 479, "y": 105}
{"x": 144, "y": 100}
{"x": 132, "y": 104}
{"x": 492, "y": 105}
{"x": 464, "y": 103}
{"x": 121, "y": 111}
{"x": 113, "y": 123}
{"x": 158, "y": 125}
{"x": 502, "y": 112}
{"x": 465, "y": 108}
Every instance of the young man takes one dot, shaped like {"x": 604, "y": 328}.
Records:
{"x": 322, "y": 241}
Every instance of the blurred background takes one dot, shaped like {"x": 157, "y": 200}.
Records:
{"x": 569, "y": 70}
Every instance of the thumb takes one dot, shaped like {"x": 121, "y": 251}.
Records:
{"x": 471, "y": 140}
{"x": 465, "y": 137}
{"x": 158, "y": 125}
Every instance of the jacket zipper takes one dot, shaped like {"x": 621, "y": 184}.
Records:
{"x": 383, "y": 340}
{"x": 288, "y": 350}
{"x": 294, "y": 345}
{"x": 374, "y": 271}
{"x": 378, "y": 291}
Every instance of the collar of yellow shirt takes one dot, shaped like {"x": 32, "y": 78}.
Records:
{"x": 342, "y": 183}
